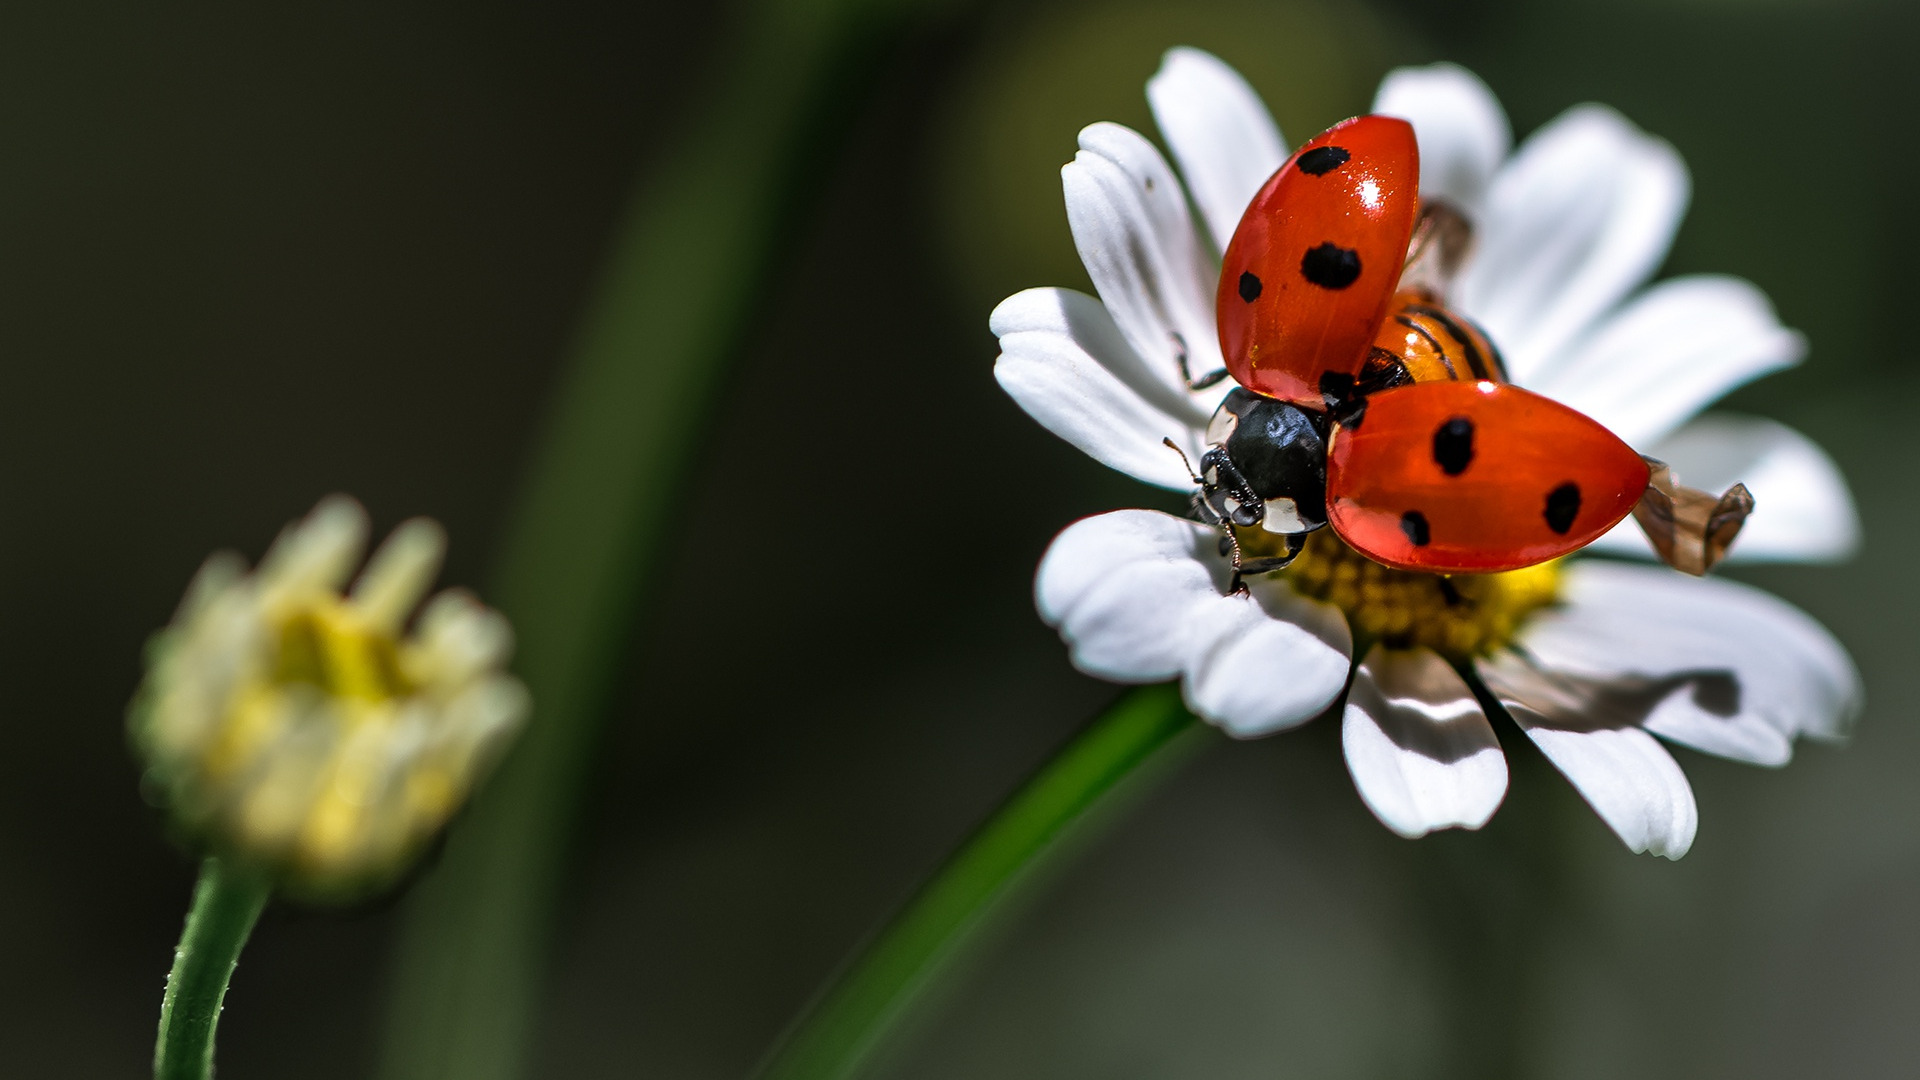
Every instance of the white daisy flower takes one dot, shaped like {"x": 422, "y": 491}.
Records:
{"x": 1597, "y": 662}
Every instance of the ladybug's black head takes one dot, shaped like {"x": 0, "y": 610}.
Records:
{"x": 1267, "y": 464}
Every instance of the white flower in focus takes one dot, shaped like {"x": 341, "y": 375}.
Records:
{"x": 1592, "y": 660}
{"x": 291, "y": 726}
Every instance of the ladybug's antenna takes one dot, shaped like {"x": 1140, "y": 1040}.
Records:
{"x": 1175, "y": 447}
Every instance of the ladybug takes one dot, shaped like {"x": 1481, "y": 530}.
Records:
{"x": 1365, "y": 404}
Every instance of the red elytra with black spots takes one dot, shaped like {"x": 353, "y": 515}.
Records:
{"x": 1466, "y": 476}
{"x": 1307, "y": 278}
{"x": 1475, "y": 477}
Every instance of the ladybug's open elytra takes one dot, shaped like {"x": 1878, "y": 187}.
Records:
{"x": 1366, "y": 404}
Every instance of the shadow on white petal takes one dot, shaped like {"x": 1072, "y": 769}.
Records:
{"x": 1669, "y": 353}
{"x": 1792, "y": 674}
{"x": 1715, "y": 665}
{"x": 1463, "y": 132}
{"x": 1589, "y": 729}
{"x": 1420, "y": 749}
{"x": 1265, "y": 661}
{"x": 1575, "y": 221}
{"x": 1063, "y": 361}
{"x": 1219, "y": 131}
{"x": 1135, "y": 234}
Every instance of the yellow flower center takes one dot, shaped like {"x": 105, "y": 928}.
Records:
{"x": 322, "y": 644}
{"x": 329, "y": 644}
{"x": 1457, "y": 615}
{"x": 317, "y": 783}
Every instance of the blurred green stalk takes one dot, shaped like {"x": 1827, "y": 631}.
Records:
{"x": 701, "y": 237}
{"x": 833, "y": 1038}
{"x": 226, "y": 903}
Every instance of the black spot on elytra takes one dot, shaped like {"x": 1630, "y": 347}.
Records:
{"x": 1414, "y": 524}
{"x": 1453, "y": 448}
{"x": 1322, "y": 160}
{"x": 1249, "y": 287}
{"x": 1329, "y": 266}
{"x": 1563, "y": 505}
{"x": 1336, "y": 388}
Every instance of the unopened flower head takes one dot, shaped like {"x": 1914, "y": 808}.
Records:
{"x": 292, "y": 722}
{"x": 1597, "y": 662}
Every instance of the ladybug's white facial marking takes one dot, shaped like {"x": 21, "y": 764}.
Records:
{"x": 1283, "y": 517}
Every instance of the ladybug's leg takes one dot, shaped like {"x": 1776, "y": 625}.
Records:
{"x": 1225, "y": 500}
{"x": 1244, "y": 567}
{"x": 1211, "y": 379}
{"x": 1230, "y": 547}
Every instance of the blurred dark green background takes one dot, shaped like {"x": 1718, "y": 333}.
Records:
{"x": 252, "y": 255}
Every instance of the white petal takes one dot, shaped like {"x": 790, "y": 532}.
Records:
{"x": 1219, "y": 131}
{"x": 1266, "y": 661}
{"x": 1713, "y": 664}
{"x": 1673, "y": 350}
{"x": 1139, "y": 596}
{"x": 1463, "y": 132}
{"x": 1064, "y": 362}
{"x": 1135, "y": 234}
{"x": 400, "y": 572}
{"x": 1802, "y": 510}
{"x": 1580, "y": 216}
{"x": 1628, "y": 778}
{"x": 1419, "y": 747}
{"x": 320, "y": 550}
{"x": 1121, "y": 586}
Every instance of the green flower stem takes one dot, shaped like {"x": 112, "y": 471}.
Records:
{"x": 847, "y": 1022}
{"x": 226, "y": 903}
{"x": 704, "y": 233}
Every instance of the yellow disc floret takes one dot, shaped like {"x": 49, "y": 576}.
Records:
{"x": 1458, "y": 615}
{"x": 303, "y": 729}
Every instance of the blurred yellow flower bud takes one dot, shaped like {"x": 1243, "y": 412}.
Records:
{"x": 298, "y": 727}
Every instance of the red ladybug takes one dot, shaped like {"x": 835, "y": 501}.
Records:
{"x": 1379, "y": 412}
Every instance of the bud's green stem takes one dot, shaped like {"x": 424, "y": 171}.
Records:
{"x": 226, "y": 903}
